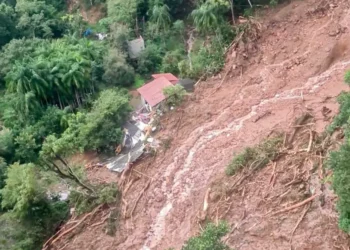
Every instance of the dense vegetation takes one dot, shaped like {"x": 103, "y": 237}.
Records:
{"x": 209, "y": 239}
{"x": 63, "y": 91}
{"x": 339, "y": 160}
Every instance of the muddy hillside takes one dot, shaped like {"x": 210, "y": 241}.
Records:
{"x": 291, "y": 64}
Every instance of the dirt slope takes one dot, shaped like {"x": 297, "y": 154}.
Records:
{"x": 296, "y": 66}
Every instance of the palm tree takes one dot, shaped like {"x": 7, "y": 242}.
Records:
{"x": 205, "y": 18}
{"x": 160, "y": 16}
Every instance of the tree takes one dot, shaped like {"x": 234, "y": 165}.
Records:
{"x": 208, "y": 16}
{"x": 8, "y": 21}
{"x": 174, "y": 94}
{"x": 103, "y": 123}
{"x": 149, "y": 60}
{"x": 160, "y": 16}
{"x": 38, "y": 19}
{"x": 117, "y": 71}
{"x": 6, "y": 144}
{"x": 22, "y": 189}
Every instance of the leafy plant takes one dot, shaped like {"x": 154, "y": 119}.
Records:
{"x": 104, "y": 194}
{"x": 255, "y": 157}
{"x": 209, "y": 239}
{"x": 339, "y": 161}
{"x": 174, "y": 94}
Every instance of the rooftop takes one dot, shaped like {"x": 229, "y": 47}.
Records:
{"x": 170, "y": 77}
{"x": 153, "y": 92}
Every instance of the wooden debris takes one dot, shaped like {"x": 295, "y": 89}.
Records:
{"x": 204, "y": 212}
{"x": 60, "y": 234}
{"x": 300, "y": 122}
{"x": 296, "y": 205}
{"x": 140, "y": 195}
{"x": 298, "y": 222}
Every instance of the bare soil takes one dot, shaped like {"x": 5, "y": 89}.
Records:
{"x": 294, "y": 67}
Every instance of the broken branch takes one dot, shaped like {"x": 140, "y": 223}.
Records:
{"x": 138, "y": 198}
{"x": 296, "y": 205}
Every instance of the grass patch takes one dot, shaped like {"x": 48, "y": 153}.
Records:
{"x": 255, "y": 157}
{"x": 209, "y": 239}
{"x": 139, "y": 82}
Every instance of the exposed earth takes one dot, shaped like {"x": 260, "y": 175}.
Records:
{"x": 295, "y": 66}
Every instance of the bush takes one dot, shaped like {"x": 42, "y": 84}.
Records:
{"x": 117, "y": 71}
{"x": 209, "y": 239}
{"x": 174, "y": 94}
{"x": 347, "y": 77}
{"x": 344, "y": 112}
{"x": 206, "y": 60}
{"x": 255, "y": 157}
{"x": 105, "y": 194}
{"x": 339, "y": 161}
{"x": 170, "y": 62}
{"x": 6, "y": 144}
{"x": 149, "y": 60}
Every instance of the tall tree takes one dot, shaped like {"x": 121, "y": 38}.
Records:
{"x": 160, "y": 16}
{"x": 8, "y": 21}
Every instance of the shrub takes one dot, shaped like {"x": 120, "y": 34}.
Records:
{"x": 117, "y": 71}
{"x": 344, "y": 112}
{"x": 339, "y": 161}
{"x": 174, "y": 94}
{"x": 347, "y": 77}
{"x": 105, "y": 194}
{"x": 255, "y": 157}
{"x": 170, "y": 62}
{"x": 149, "y": 60}
{"x": 209, "y": 239}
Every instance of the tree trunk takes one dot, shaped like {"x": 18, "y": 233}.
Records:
{"x": 232, "y": 12}
{"x": 72, "y": 175}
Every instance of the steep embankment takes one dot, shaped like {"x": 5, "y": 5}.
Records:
{"x": 296, "y": 66}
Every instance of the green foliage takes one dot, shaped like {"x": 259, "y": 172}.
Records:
{"x": 8, "y": 21}
{"x": 139, "y": 82}
{"x": 26, "y": 147}
{"x": 117, "y": 71}
{"x": 344, "y": 113}
{"x": 22, "y": 191}
{"x": 339, "y": 161}
{"x": 38, "y": 19}
{"x": 205, "y": 60}
{"x": 103, "y": 123}
{"x": 6, "y": 144}
{"x": 122, "y": 11}
{"x": 174, "y": 94}
{"x": 119, "y": 36}
{"x": 150, "y": 60}
{"x": 171, "y": 60}
{"x": 160, "y": 16}
{"x": 256, "y": 157}
{"x": 209, "y": 15}
{"x": 3, "y": 175}
{"x": 25, "y": 197}
{"x": 347, "y": 77}
{"x": 105, "y": 194}
{"x": 57, "y": 73}
{"x": 209, "y": 239}
{"x": 273, "y": 2}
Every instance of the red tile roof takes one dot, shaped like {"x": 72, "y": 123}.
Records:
{"x": 170, "y": 77}
{"x": 153, "y": 92}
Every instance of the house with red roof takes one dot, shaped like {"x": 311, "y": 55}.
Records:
{"x": 152, "y": 92}
{"x": 170, "y": 77}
